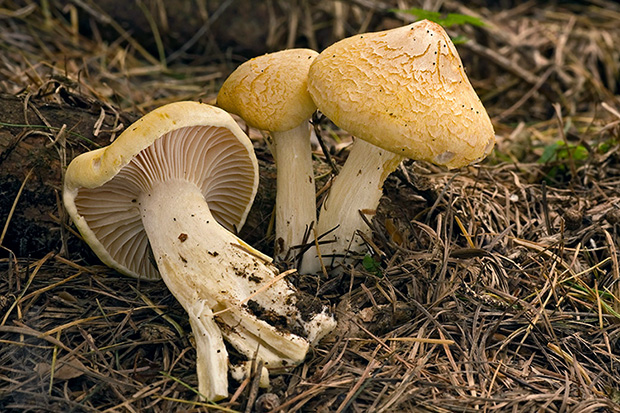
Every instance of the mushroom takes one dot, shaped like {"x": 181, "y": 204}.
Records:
{"x": 270, "y": 93}
{"x": 402, "y": 93}
{"x": 161, "y": 201}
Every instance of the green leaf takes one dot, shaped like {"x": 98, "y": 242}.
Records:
{"x": 451, "y": 19}
{"x": 421, "y": 14}
{"x": 580, "y": 153}
{"x": 454, "y": 19}
{"x": 550, "y": 152}
{"x": 559, "y": 151}
{"x": 371, "y": 265}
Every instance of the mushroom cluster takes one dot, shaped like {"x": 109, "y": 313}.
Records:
{"x": 163, "y": 200}
{"x": 403, "y": 93}
{"x": 167, "y": 197}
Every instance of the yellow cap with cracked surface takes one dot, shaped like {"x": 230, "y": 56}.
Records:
{"x": 404, "y": 90}
{"x": 270, "y": 91}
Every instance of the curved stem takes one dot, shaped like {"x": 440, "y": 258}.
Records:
{"x": 208, "y": 268}
{"x": 357, "y": 188}
{"x": 295, "y": 196}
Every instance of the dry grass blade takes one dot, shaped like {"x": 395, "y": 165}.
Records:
{"x": 12, "y": 211}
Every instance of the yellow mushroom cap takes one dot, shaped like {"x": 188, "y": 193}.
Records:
{"x": 185, "y": 141}
{"x": 270, "y": 91}
{"x": 404, "y": 90}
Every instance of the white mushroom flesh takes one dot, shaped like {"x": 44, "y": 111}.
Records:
{"x": 295, "y": 194}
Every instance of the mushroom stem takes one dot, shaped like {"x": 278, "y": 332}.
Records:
{"x": 295, "y": 196}
{"x": 211, "y": 354}
{"x": 357, "y": 189}
{"x": 208, "y": 268}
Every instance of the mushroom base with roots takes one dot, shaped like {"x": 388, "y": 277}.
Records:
{"x": 214, "y": 275}
{"x": 357, "y": 189}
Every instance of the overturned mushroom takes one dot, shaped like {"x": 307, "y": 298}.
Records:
{"x": 402, "y": 93}
{"x": 162, "y": 200}
{"x": 270, "y": 92}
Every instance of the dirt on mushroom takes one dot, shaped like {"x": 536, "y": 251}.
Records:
{"x": 492, "y": 287}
